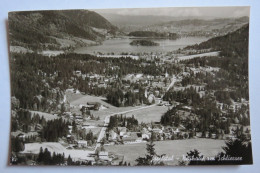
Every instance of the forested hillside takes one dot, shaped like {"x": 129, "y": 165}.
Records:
{"x": 152, "y": 34}
{"x": 233, "y": 49}
{"x": 232, "y": 44}
{"x": 45, "y": 78}
{"x": 41, "y": 29}
{"x": 200, "y": 27}
{"x": 231, "y": 84}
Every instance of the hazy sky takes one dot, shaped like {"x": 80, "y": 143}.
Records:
{"x": 216, "y": 12}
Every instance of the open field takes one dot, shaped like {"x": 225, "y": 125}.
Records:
{"x": 151, "y": 114}
{"x": 178, "y": 148}
{"x": 19, "y": 49}
{"x": 47, "y": 116}
{"x": 51, "y": 52}
{"x": 197, "y": 55}
{"x": 95, "y": 130}
{"x": 72, "y": 96}
{"x": 77, "y": 99}
{"x": 57, "y": 148}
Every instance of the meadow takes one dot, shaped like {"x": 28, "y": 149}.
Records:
{"x": 175, "y": 148}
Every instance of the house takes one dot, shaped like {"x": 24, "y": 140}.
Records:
{"x": 176, "y": 131}
{"x": 23, "y": 135}
{"x": 15, "y": 102}
{"x": 236, "y": 121}
{"x": 198, "y": 134}
{"x": 79, "y": 119}
{"x": 77, "y": 73}
{"x": 122, "y": 130}
{"x": 157, "y": 130}
{"x": 167, "y": 135}
{"x": 164, "y": 103}
{"x": 151, "y": 98}
{"x": 232, "y": 108}
{"x": 67, "y": 114}
{"x": 103, "y": 155}
{"x": 144, "y": 130}
{"x": 143, "y": 81}
{"x": 146, "y": 136}
{"x": 82, "y": 143}
{"x": 70, "y": 129}
{"x": 132, "y": 137}
{"x": 94, "y": 105}
{"x": 136, "y": 91}
{"x": 102, "y": 85}
{"x": 157, "y": 93}
{"x": 227, "y": 137}
{"x": 17, "y": 133}
{"x": 71, "y": 139}
{"x": 38, "y": 127}
{"x": 112, "y": 135}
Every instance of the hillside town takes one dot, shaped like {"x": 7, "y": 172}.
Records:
{"x": 146, "y": 90}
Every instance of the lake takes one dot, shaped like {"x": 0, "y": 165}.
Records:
{"x": 120, "y": 45}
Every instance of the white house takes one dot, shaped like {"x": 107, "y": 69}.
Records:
{"x": 104, "y": 155}
{"x": 145, "y": 136}
{"x": 82, "y": 143}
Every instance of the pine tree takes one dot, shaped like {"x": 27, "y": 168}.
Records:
{"x": 69, "y": 161}
{"x": 148, "y": 159}
{"x": 17, "y": 144}
{"x": 195, "y": 157}
{"x": 40, "y": 156}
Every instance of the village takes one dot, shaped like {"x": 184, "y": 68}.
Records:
{"x": 90, "y": 129}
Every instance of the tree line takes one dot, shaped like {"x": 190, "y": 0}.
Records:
{"x": 122, "y": 121}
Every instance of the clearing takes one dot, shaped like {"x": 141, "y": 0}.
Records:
{"x": 47, "y": 116}
{"x": 186, "y": 57}
{"x": 57, "y": 148}
{"x": 151, "y": 114}
{"x": 77, "y": 99}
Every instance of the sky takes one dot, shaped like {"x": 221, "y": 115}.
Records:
{"x": 216, "y": 12}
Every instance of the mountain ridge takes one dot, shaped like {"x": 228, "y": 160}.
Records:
{"x": 36, "y": 29}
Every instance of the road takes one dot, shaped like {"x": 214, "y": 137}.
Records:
{"x": 106, "y": 122}
{"x": 172, "y": 83}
